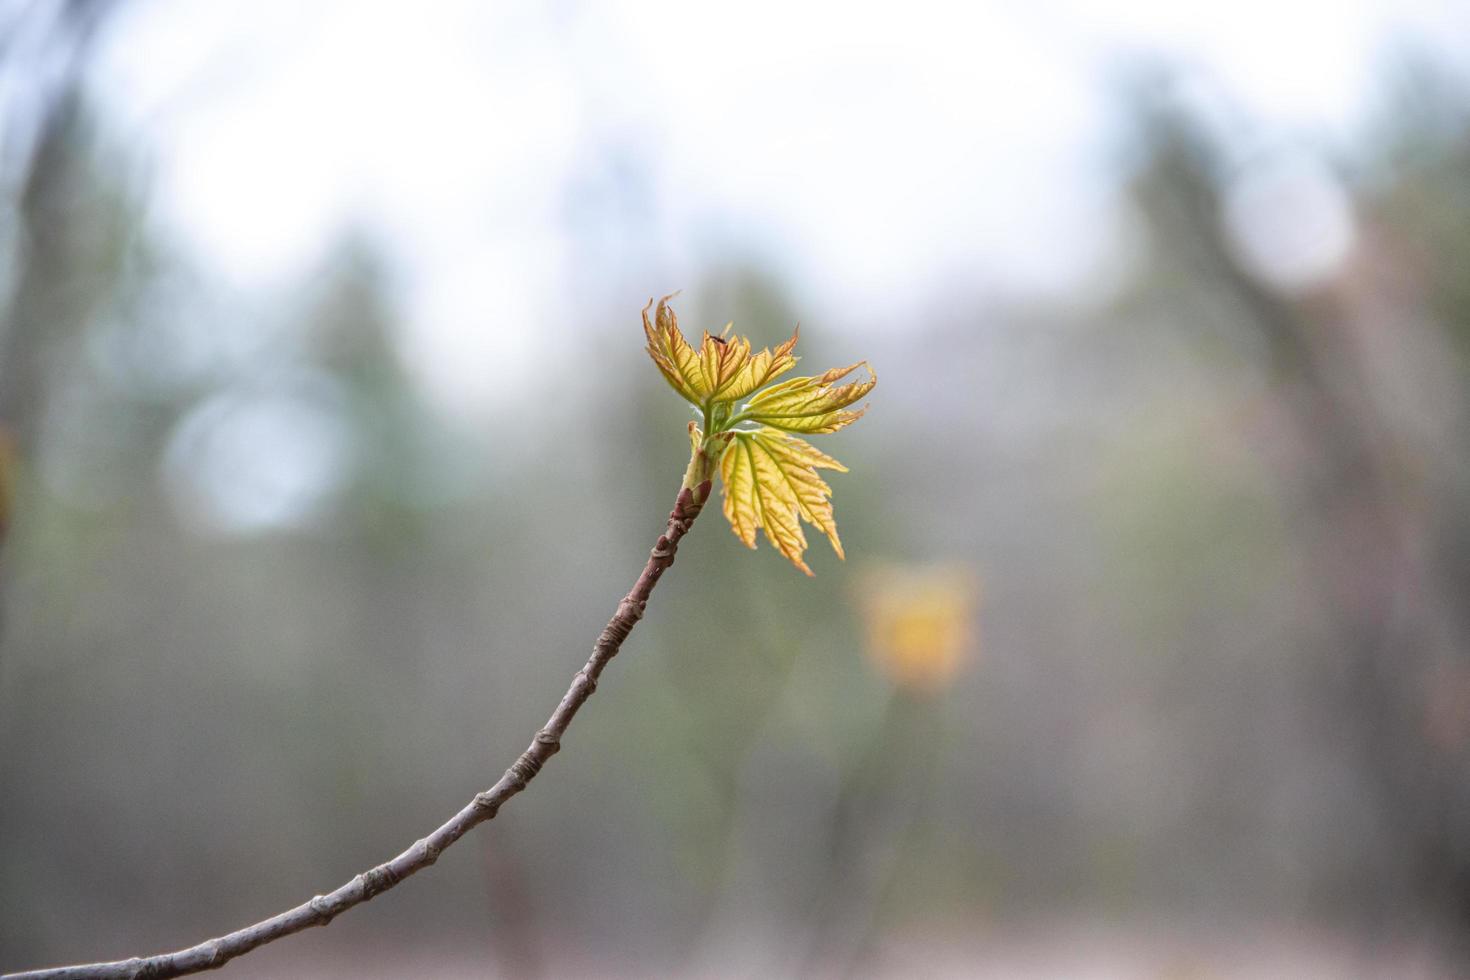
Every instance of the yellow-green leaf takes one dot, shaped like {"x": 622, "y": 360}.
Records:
{"x": 812, "y": 405}
{"x": 679, "y": 362}
{"x": 760, "y": 370}
{"x": 720, "y": 360}
{"x": 721, "y": 369}
{"x": 770, "y": 477}
{"x": 771, "y": 484}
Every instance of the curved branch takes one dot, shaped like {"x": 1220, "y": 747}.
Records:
{"x": 322, "y": 909}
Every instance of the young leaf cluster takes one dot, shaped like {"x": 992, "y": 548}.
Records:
{"x": 749, "y": 426}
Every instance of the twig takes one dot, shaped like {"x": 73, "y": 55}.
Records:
{"x": 322, "y": 909}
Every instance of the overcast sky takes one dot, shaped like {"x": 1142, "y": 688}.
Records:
{"x": 509, "y": 152}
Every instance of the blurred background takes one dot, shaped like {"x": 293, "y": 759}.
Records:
{"x": 329, "y": 444}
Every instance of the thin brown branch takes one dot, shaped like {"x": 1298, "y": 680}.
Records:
{"x": 322, "y": 909}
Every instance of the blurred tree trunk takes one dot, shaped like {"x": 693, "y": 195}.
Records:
{"x": 1382, "y": 547}
{"x": 42, "y": 170}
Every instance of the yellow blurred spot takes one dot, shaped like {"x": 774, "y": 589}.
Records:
{"x": 921, "y": 621}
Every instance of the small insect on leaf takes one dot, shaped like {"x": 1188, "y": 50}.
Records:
{"x": 770, "y": 476}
